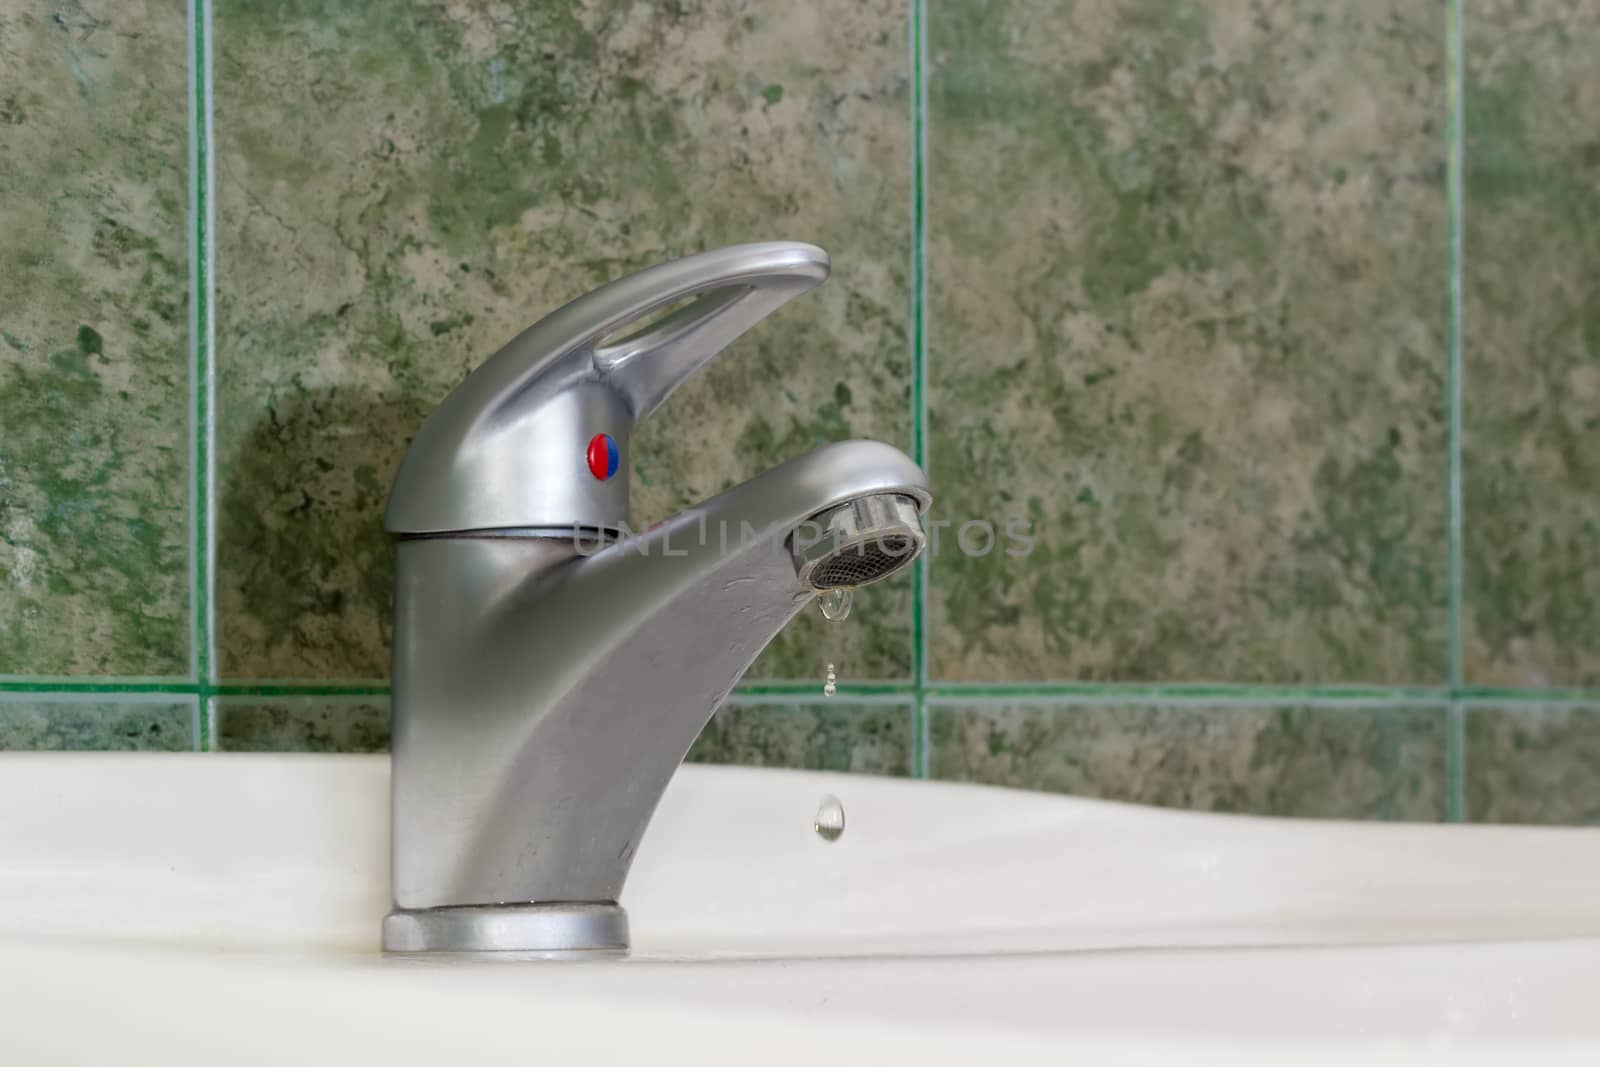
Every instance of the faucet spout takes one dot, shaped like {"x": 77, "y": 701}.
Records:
{"x": 549, "y": 694}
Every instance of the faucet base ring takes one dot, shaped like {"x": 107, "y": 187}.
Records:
{"x": 558, "y": 928}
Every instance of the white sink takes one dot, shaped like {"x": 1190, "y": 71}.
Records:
{"x": 225, "y": 909}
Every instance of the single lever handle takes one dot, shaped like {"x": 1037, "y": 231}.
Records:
{"x": 510, "y": 447}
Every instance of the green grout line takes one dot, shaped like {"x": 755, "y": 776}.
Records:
{"x": 1455, "y": 736}
{"x": 1453, "y": 357}
{"x": 1481, "y": 695}
{"x": 89, "y": 696}
{"x": 68, "y": 686}
{"x": 198, "y": 397}
{"x": 919, "y": 363}
{"x": 1221, "y": 693}
{"x": 1219, "y": 705}
{"x": 196, "y": 270}
{"x": 942, "y": 693}
{"x": 202, "y": 416}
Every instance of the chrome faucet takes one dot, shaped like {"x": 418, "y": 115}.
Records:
{"x": 551, "y": 668}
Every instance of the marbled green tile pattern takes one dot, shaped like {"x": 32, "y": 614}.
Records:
{"x": 864, "y": 738}
{"x": 113, "y": 726}
{"x": 1187, "y": 317}
{"x": 302, "y": 724}
{"x": 404, "y": 186}
{"x": 1532, "y": 342}
{"x": 1306, "y": 762}
{"x": 93, "y": 337}
{"x": 1534, "y": 765}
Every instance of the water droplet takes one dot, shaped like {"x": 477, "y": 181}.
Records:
{"x": 835, "y": 604}
{"x": 830, "y": 682}
{"x": 829, "y": 823}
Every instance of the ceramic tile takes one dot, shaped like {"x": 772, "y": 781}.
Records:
{"x": 1187, "y": 269}
{"x": 403, "y": 187}
{"x": 93, "y": 338}
{"x": 865, "y": 738}
{"x": 1533, "y": 765}
{"x": 1303, "y": 762}
{"x": 109, "y": 725}
{"x": 302, "y": 724}
{"x": 1531, "y": 347}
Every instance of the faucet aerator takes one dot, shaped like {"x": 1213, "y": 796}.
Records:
{"x": 858, "y": 542}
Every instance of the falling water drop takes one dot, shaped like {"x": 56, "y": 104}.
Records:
{"x": 829, "y": 823}
{"x": 835, "y": 603}
{"x": 830, "y": 682}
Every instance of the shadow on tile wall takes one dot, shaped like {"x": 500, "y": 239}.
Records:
{"x": 1171, "y": 280}
{"x": 403, "y": 187}
{"x": 309, "y": 568}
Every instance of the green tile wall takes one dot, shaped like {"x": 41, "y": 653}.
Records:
{"x": 1532, "y": 343}
{"x": 113, "y": 722}
{"x": 1534, "y": 765}
{"x": 402, "y": 187}
{"x": 1187, "y": 319}
{"x": 301, "y": 723}
{"x": 837, "y": 735}
{"x": 1270, "y": 319}
{"x": 1349, "y": 763}
{"x": 94, "y": 335}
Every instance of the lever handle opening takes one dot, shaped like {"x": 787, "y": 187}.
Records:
{"x": 736, "y": 288}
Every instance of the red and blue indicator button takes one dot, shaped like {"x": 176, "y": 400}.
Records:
{"x": 603, "y": 456}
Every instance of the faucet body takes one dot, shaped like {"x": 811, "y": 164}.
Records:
{"x": 550, "y": 670}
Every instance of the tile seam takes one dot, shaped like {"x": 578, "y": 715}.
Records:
{"x": 191, "y": 400}
{"x": 946, "y": 693}
{"x": 1453, "y": 355}
{"x": 1208, "y": 690}
{"x": 1222, "y": 704}
{"x": 210, "y": 383}
{"x": 919, "y": 366}
{"x": 202, "y": 396}
{"x": 1455, "y": 738}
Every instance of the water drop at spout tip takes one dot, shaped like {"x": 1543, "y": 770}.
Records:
{"x": 835, "y": 604}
